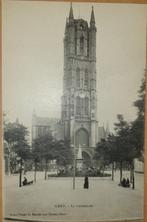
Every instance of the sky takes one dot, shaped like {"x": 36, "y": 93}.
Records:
{"x": 33, "y": 34}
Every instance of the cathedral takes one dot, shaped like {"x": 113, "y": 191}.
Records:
{"x": 79, "y": 100}
{"x": 78, "y": 121}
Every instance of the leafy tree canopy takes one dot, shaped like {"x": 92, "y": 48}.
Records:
{"x": 48, "y": 148}
{"x": 16, "y": 136}
{"x": 137, "y": 129}
{"x": 140, "y": 102}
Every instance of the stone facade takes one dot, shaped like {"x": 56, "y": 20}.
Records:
{"x": 79, "y": 100}
{"x": 46, "y": 126}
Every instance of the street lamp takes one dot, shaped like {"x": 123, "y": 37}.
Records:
{"x": 74, "y": 166}
{"x": 133, "y": 179}
{"x": 20, "y": 169}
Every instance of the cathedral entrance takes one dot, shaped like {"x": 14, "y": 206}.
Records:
{"x": 82, "y": 138}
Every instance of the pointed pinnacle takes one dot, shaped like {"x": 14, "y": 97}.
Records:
{"x": 71, "y": 12}
{"x": 92, "y": 19}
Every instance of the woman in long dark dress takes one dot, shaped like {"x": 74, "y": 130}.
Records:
{"x": 86, "y": 183}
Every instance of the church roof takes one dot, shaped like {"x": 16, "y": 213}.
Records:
{"x": 44, "y": 121}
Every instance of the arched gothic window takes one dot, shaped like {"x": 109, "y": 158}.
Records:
{"x": 86, "y": 105}
{"x": 78, "y": 77}
{"x": 82, "y": 106}
{"x": 81, "y": 45}
{"x": 86, "y": 78}
{"x": 82, "y": 103}
{"x": 78, "y": 110}
{"x": 93, "y": 103}
{"x": 72, "y": 109}
{"x": 82, "y": 138}
{"x": 72, "y": 105}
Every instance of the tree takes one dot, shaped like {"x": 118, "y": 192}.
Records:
{"x": 15, "y": 132}
{"x": 140, "y": 102}
{"x": 16, "y": 136}
{"x": 44, "y": 149}
{"x": 47, "y": 148}
{"x": 124, "y": 148}
{"x": 117, "y": 147}
{"x": 36, "y": 157}
{"x": 128, "y": 141}
{"x": 107, "y": 152}
{"x": 112, "y": 151}
{"x": 64, "y": 154}
{"x": 102, "y": 154}
{"x": 137, "y": 129}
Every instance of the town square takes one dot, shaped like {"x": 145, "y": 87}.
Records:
{"x": 55, "y": 197}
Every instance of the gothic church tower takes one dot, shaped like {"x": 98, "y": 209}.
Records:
{"x": 79, "y": 100}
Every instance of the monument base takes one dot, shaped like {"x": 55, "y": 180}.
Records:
{"x": 79, "y": 164}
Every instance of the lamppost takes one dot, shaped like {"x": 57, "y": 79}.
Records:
{"x": 74, "y": 174}
{"x": 133, "y": 179}
{"x": 74, "y": 165}
{"x": 34, "y": 170}
{"x": 20, "y": 169}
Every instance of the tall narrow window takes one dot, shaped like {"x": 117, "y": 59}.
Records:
{"x": 78, "y": 105}
{"x": 78, "y": 77}
{"x": 86, "y": 78}
{"x": 82, "y": 103}
{"x": 72, "y": 109}
{"x": 93, "y": 103}
{"x": 81, "y": 45}
{"x": 72, "y": 105}
{"x": 86, "y": 105}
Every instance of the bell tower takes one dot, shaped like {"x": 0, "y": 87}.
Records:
{"x": 79, "y": 100}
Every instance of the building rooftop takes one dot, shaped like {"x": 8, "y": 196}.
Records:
{"x": 44, "y": 121}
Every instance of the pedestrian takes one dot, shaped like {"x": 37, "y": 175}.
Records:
{"x": 25, "y": 181}
{"x": 86, "y": 183}
{"x": 124, "y": 182}
{"x": 128, "y": 183}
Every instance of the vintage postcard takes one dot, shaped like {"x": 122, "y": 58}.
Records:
{"x": 73, "y": 111}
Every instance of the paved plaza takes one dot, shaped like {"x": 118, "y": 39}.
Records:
{"x": 55, "y": 199}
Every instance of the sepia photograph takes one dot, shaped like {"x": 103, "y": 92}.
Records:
{"x": 73, "y": 110}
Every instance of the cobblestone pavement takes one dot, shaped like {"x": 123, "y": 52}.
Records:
{"x": 55, "y": 199}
